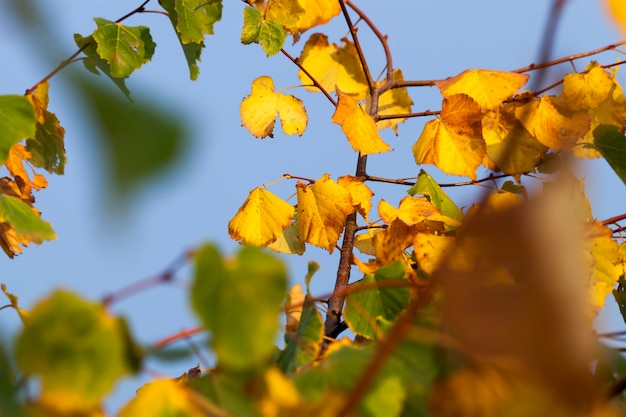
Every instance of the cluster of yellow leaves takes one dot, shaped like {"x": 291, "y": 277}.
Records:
{"x": 318, "y": 218}
{"x": 478, "y": 126}
{"x": 297, "y": 16}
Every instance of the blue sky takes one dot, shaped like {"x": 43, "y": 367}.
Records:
{"x": 101, "y": 249}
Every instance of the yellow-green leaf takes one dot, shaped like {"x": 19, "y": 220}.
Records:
{"x": 322, "y": 211}
{"x": 394, "y": 101}
{"x": 359, "y": 127}
{"x": 261, "y": 219}
{"x": 259, "y": 110}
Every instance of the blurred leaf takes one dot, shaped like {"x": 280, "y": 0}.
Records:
{"x": 8, "y": 389}
{"x": 364, "y": 307}
{"x": 238, "y": 301}
{"x": 24, "y": 314}
{"x": 619, "y": 294}
{"x": 17, "y": 122}
{"x": 232, "y": 391}
{"x": 165, "y": 397}
{"x": 76, "y": 348}
{"x": 612, "y": 145}
{"x": 141, "y": 140}
{"x": 124, "y": 48}
{"x": 427, "y": 186}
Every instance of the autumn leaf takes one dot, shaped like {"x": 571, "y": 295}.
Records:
{"x": 289, "y": 241}
{"x": 509, "y": 145}
{"x": 605, "y": 262}
{"x": 360, "y": 194}
{"x": 488, "y": 88}
{"x": 430, "y": 250}
{"x": 259, "y": 110}
{"x": 453, "y": 142}
{"x": 17, "y": 121}
{"x": 359, "y": 127}
{"x": 322, "y": 211}
{"x": 20, "y": 224}
{"x": 394, "y": 101}
{"x": 552, "y": 123}
{"x": 15, "y": 164}
{"x": 334, "y": 67}
{"x": 261, "y": 219}
{"x": 617, "y": 12}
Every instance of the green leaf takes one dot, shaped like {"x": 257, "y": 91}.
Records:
{"x": 8, "y": 389}
{"x": 26, "y": 224}
{"x": 124, "y": 48}
{"x": 511, "y": 187}
{"x": 192, "y": 50}
{"x": 76, "y": 348}
{"x": 230, "y": 391}
{"x": 17, "y": 121}
{"x": 141, "y": 140}
{"x": 238, "y": 302}
{"x": 612, "y": 145}
{"x": 303, "y": 345}
{"x": 252, "y": 20}
{"x": 93, "y": 63}
{"x": 47, "y": 147}
{"x": 194, "y": 18}
{"x": 364, "y": 307}
{"x": 619, "y": 294}
{"x": 272, "y": 37}
{"x": 427, "y": 186}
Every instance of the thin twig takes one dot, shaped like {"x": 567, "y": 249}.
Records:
{"x": 357, "y": 45}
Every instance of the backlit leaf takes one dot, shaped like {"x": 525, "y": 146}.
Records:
{"x": 453, "y": 142}
{"x": 192, "y": 50}
{"x": 605, "y": 262}
{"x": 261, "y": 219}
{"x": 269, "y": 33}
{"x": 334, "y": 67}
{"x": 394, "y": 101}
{"x": 322, "y": 211}
{"x": 17, "y": 122}
{"x": 431, "y": 250}
{"x": 238, "y": 301}
{"x": 259, "y": 110}
{"x": 363, "y": 307}
{"x": 359, "y": 127}
{"x": 194, "y": 18}
{"x": 360, "y": 194}
{"x": 165, "y": 397}
{"x": 15, "y": 164}
{"x": 427, "y": 186}
{"x": 509, "y": 145}
{"x": 289, "y": 241}
{"x": 124, "y": 48}
{"x": 314, "y": 13}
{"x": 76, "y": 348}
{"x": 553, "y": 124}
{"x": 47, "y": 146}
{"x": 488, "y": 88}
{"x": 612, "y": 145}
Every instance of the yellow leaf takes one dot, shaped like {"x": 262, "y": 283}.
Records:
{"x": 617, "y": 11}
{"x": 261, "y": 219}
{"x": 322, "y": 211}
{"x": 390, "y": 243}
{"x": 598, "y": 92}
{"x": 282, "y": 395}
{"x": 396, "y": 101}
{"x": 289, "y": 241}
{"x": 364, "y": 241}
{"x": 605, "y": 262}
{"x": 488, "y": 88}
{"x": 307, "y": 14}
{"x": 553, "y": 124}
{"x": 333, "y": 67}
{"x": 259, "y": 110}
{"x": 293, "y": 307}
{"x": 167, "y": 397}
{"x": 453, "y": 142}
{"x": 359, "y": 192}
{"x": 430, "y": 250}
{"x": 509, "y": 146}
{"x": 359, "y": 127}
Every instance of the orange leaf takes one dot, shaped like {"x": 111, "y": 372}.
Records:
{"x": 359, "y": 192}
{"x": 359, "y": 127}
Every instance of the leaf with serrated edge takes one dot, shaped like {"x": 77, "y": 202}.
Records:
{"x": 261, "y": 219}
{"x": 322, "y": 211}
